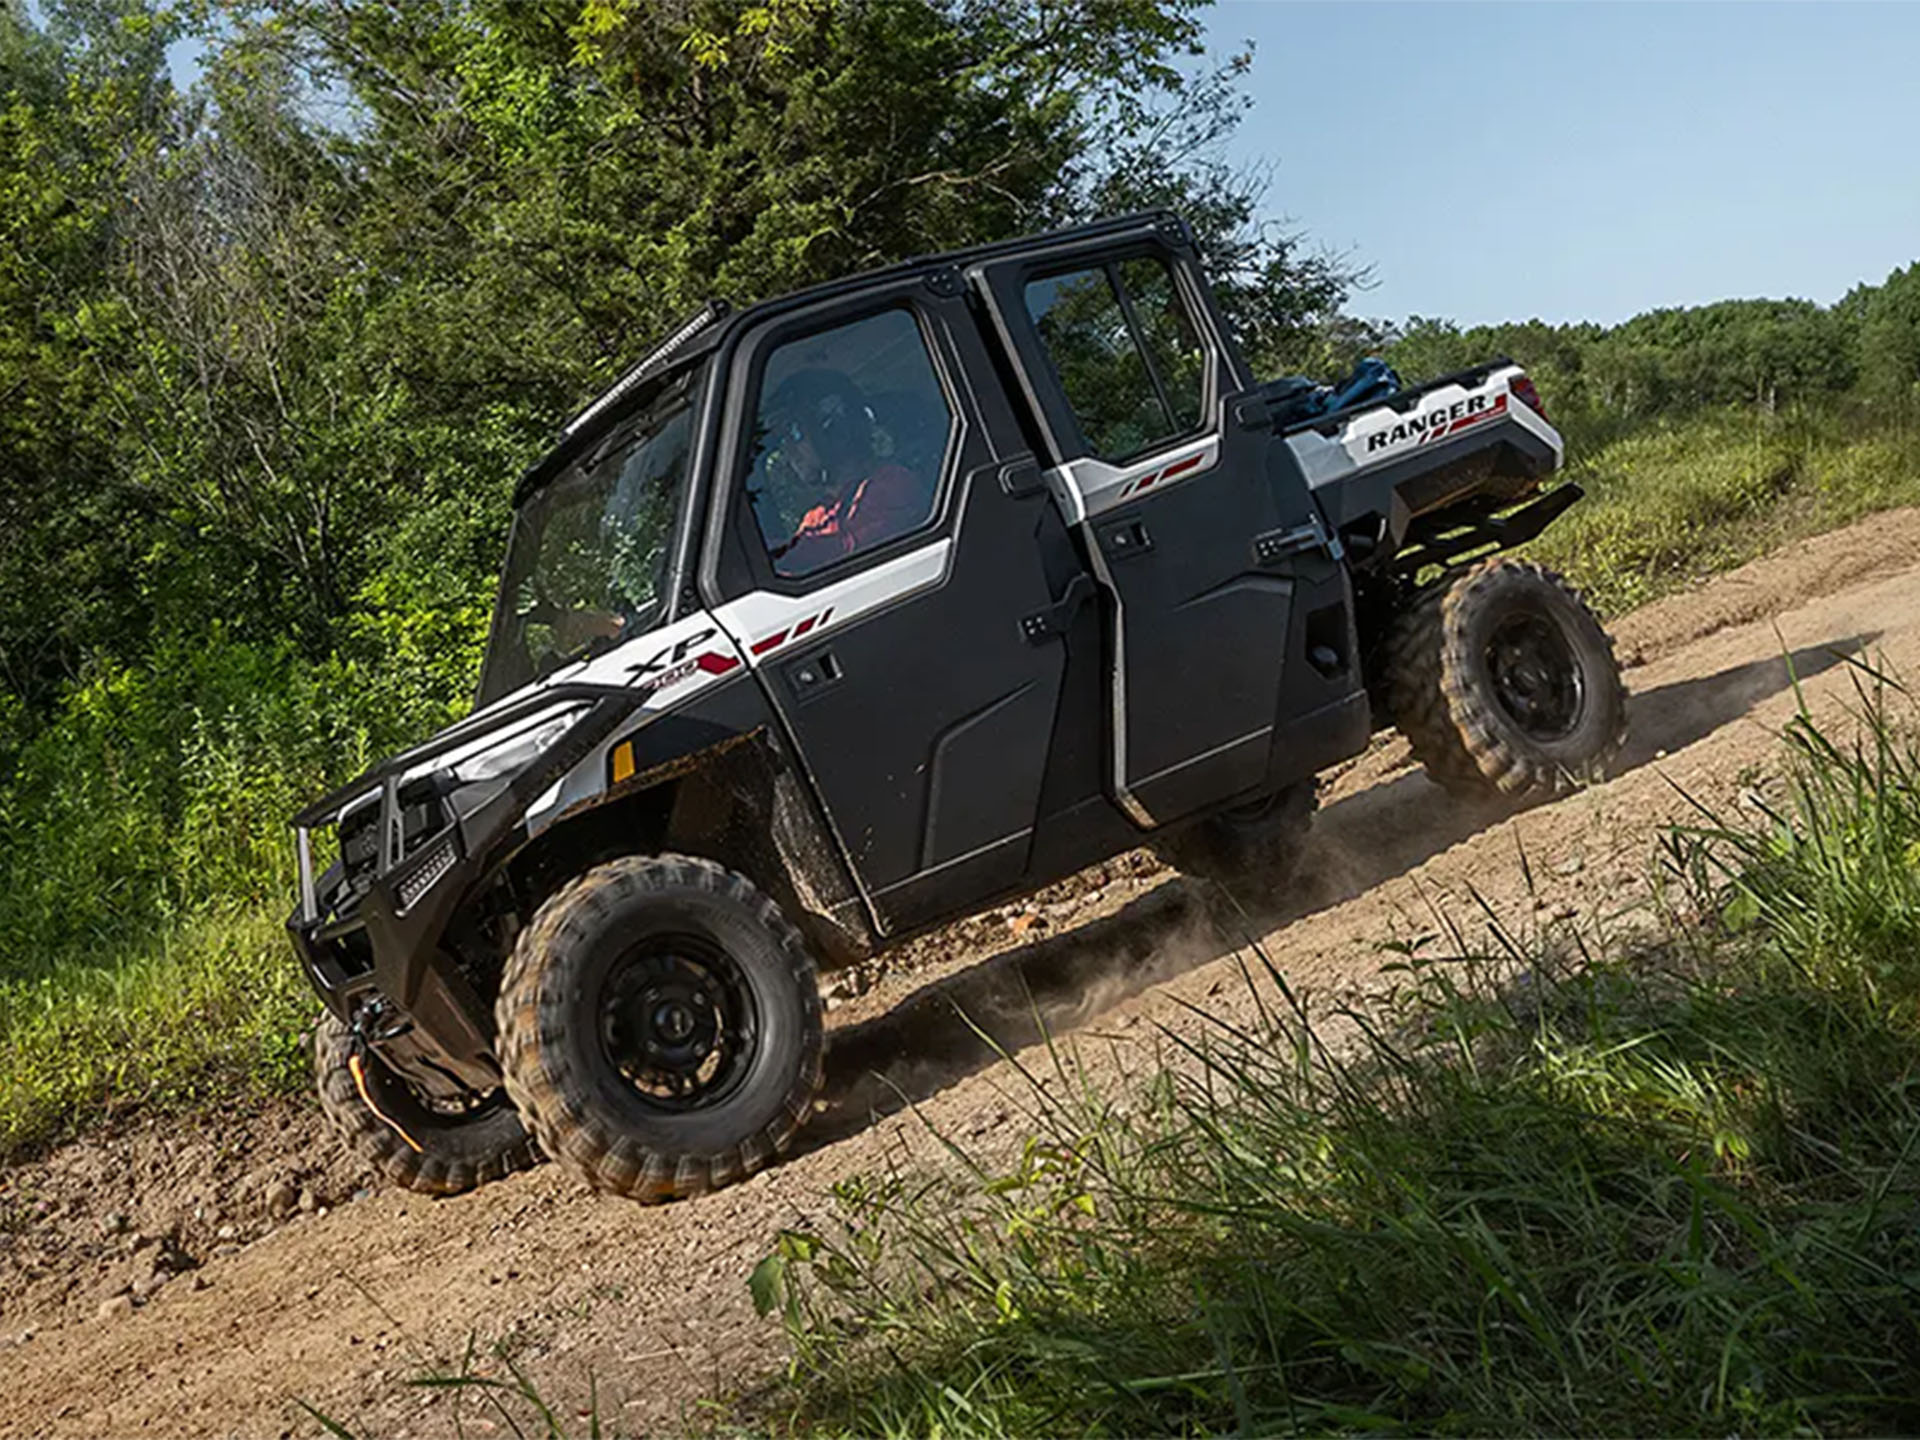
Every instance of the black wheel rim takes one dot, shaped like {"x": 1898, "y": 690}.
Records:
{"x": 1535, "y": 677}
{"x": 678, "y": 1022}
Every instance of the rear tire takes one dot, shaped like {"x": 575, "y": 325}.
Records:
{"x": 659, "y": 1026}
{"x": 1503, "y": 680}
{"x": 412, "y": 1144}
{"x": 1261, "y": 841}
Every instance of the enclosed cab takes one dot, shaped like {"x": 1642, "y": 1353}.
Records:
{"x": 856, "y": 610}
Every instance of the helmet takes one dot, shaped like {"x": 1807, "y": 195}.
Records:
{"x": 828, "y": 409}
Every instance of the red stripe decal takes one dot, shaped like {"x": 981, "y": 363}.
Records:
{"x": 1185, "y": 465}
{"x": 714, "y": 663}
{"x": 760, "y": 647}
{"x": 1498, "y": 407}
{"x": 804, "y": 626}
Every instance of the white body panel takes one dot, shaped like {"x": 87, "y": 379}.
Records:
{"x": 1087, "y": 488}
{"x": 1381, "y": 434}
{"x": 678, "y": 662}
{"x": 762, "y": 622}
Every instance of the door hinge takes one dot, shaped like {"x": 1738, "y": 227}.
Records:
{"x": 1058, "y": 617}
{"x": 1313, "y": 534}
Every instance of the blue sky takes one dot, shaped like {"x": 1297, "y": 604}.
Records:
{"x": 1588, "y": 161}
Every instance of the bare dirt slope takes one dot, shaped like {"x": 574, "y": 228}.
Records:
{"x": 263, "y": 1275}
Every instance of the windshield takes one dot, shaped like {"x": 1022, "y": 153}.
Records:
{"x": 587, "y": 559}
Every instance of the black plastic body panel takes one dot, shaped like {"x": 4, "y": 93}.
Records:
{"x": 378, "y": 946}
{"x": 405, "y": 912}
{"x": 1207, "y": 677}
{"x": 1195, "y": 611}
{"x": 923, "y": 725}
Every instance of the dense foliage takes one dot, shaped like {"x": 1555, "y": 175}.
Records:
{"x": 272, "y": 348}
{"x": 1767, "y": 355}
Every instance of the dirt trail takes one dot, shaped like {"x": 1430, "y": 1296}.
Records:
{"x": 339, "y": 1304}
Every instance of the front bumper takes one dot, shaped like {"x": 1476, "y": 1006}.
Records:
{"x": 374, "y": 951}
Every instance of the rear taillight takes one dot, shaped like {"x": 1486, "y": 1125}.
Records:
{"x": 1522, "y": 386}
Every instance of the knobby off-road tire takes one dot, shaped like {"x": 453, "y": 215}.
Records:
{"x": 411, "y": 1143}
{"x": 659, "y": 1026}
{"x": 1259, "y": 843}
{"x": 1503, "y": 681}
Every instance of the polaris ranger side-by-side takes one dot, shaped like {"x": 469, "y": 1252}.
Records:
{"x": 854, "y": 611}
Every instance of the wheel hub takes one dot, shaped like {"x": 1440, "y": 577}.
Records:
{"x": 1535, "y": 677}
{"x": 676, "y": 1023}
{"x": 673, "y": 1022}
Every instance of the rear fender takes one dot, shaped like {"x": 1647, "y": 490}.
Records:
{"x": 1379, "y": 468}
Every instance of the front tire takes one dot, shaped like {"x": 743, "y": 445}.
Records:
{"x": 413, "y": 1144}
{"x": 659, "y": 1026}
{"x": 1503, "y": 680}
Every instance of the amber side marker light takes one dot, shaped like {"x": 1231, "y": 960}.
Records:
{"x": 622, "y": 761}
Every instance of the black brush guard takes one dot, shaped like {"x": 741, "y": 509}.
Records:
{"x": 385, "y": 951}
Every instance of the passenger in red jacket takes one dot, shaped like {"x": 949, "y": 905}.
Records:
{"x": 822, "y": 450}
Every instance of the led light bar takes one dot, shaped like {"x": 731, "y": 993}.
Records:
{"x": 445, "y": 855}
{"x": 649, "y": 366}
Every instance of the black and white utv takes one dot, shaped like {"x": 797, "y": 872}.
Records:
{"x": 854, "y": 611}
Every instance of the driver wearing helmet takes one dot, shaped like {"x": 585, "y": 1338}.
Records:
{"x": 821, "y": 462}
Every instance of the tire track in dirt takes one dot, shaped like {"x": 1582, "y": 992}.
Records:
{"x": 649, "y": 1304}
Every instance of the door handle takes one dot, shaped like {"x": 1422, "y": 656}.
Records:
{"x": 812, "y": 675}
{"x": 1313, "y": 534}
{"x": 1124, "y": 539}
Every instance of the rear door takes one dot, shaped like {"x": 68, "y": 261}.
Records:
{"x": 1194, "y": 527}
{"x": 882, "y": 553}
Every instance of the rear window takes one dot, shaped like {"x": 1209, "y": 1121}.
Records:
{"x": 1127, "y": 354}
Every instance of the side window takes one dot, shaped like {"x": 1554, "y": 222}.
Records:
{"x": 849, "y": 438}
{"x": 1129, "y": 359}
{"x": 1172, "y": 342}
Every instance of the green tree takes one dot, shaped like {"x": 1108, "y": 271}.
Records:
{"x": 81, "y": 102}
{"x": 1889, "y": 333}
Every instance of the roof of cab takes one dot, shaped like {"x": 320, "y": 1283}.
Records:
{"x": 716, "y": 321}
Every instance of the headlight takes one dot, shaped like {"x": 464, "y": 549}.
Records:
{"x": 431, "y": 868}
{"x": 513, "y": 755}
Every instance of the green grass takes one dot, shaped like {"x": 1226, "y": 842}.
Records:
{"x": 1563, "y": 1182}
{"x": 1684, "y": 499}
{"x": 213, "y": 1011}
{"x": 146, "y": 870}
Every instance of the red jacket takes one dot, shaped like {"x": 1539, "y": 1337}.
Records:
{"x": 886, "y": 504}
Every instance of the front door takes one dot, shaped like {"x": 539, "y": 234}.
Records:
{"x": 1194, "y": 527}
{"x": 884, "y": 543}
